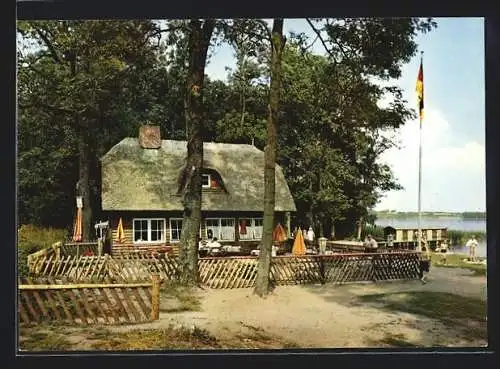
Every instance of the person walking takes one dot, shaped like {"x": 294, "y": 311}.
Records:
{"x": 471, "y": 245}
{"x": 371, "y": 246}
{"x": 424, "y": 266}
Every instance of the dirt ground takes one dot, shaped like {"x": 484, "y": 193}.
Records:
{"x": 329, "y": 316}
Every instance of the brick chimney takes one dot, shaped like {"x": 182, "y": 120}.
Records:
{"x": 149, "y": 137}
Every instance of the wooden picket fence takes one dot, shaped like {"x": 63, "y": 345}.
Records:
{"x": 238, "y": 271}
{"x": 52, "y": 299}
{"x": 79, "y": 248}
{"x": 123, "y": 268}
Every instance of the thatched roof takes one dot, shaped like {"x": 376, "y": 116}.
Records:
{"x": 134, "y": 178}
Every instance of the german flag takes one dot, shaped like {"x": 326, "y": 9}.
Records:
{"x": 420, "y": 90}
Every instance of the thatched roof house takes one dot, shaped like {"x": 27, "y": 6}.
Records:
{"x": 140, "y": 180}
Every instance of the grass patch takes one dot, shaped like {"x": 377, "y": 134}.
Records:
{"x": 185, "y": 296}
{"x": 30, "y": 239}
{"x": 158, "y": 339}
{"x": 44, "y": 341}
{"x": 456, "y": 261}
{"x": 49, "y": 338}
{"x": 460, "y": 312}
{"x": 395, "y": 340}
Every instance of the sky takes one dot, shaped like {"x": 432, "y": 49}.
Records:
{"x": 453, "y": 148}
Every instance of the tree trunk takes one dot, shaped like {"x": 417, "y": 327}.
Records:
{"x": 199, "y": 41}
{"x": 277, "y": 44}
{"x": 360, "y": 228}
{"x": 83, "y": 187}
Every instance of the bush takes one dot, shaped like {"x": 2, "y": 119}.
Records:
{"x": 31, "y": 239}
{"x": 457, "y": 237}
{"x": 376, "y": 231}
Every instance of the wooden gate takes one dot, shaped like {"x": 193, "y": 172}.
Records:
{"x": 51, "y": 299}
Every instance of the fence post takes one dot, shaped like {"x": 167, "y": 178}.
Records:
{"x": 322, "y": 268}
{"x": 155, "y": 297}
{"x": 99, "y": 247}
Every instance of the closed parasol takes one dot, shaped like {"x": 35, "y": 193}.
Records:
{"x": 279, "y": 234}
{"x": 120, "y": 234}
{"x": 299, "y": 247}
{"x": 77, "y": 231}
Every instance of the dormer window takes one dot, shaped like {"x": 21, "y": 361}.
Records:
{"x": 205, "y": 181}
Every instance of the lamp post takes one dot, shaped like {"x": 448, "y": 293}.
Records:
{"x": 322, "y": 245}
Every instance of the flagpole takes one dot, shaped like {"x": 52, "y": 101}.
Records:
{"x": 419, "y": 239}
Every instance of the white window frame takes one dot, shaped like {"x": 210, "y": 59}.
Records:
{"x": 251, "y": 229}
{"x": 170, "y": 228}
{"x": 219, "y": 228}
{"x": 254, "y": 227}
{"x": 209, "y": 180}
{"x": 149, "y": 230}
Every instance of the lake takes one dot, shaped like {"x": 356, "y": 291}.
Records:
{"x": 452, "y": 223}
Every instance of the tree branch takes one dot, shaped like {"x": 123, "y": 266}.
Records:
{"x": 318, "y": 33}
{"x": 207, "y": 31}
{"x": 312, "y": 43}
{"x": 49, "y": 45}
{"x": 264, "y": 25}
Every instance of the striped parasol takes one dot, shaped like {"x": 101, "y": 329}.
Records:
{"x": 279, "y": 233}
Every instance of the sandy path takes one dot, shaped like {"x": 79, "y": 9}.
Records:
{"x": 328, "y": 315}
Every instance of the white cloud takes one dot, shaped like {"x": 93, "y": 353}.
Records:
{"x": 453, "y": 177}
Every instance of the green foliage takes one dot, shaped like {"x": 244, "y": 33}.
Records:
{"x": 459, "y": 238}
{"x": 31, "y": 239}
{"x": 82, "y": 87}
{"x": 480, "y": 215}
{"x": 375, "y": 231}
{"x": 118, "y": 74}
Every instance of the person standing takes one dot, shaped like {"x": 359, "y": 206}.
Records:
{"x": 443, "y": 249}
{"x": 370, "y": 244}
{"x": 310, "y": 237}
{"x": 472, "y": 244}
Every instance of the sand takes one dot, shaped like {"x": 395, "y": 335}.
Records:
{"x": 328, "y": 316}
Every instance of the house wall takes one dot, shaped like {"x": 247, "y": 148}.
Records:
{"x": 128, "y": 216}
{"x": 431, "y": 234}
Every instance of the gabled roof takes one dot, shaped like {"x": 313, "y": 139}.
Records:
{"x": 134, "y": 178}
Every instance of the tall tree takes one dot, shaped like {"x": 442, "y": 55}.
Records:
{"x": 277, "y": 46}
{"x": 75, "y": 73}
{"x": 200, "y": 33}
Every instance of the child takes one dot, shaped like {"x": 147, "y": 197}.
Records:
{"x": 424, "y": 267}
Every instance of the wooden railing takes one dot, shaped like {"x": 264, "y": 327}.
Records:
{"x": 238, "y": 272}
{"x": 50, "y": 299}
